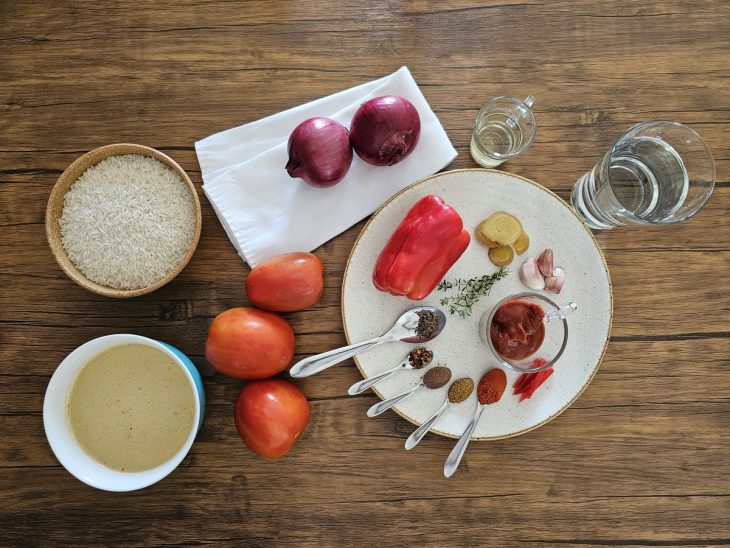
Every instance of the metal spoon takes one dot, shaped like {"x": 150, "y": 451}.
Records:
{"x": 404, "y": 330}
{"x": 454, "y": 458}
{"x": 422, "y": 430}
{"x": 407, "y": 363}
{"x": 383, "y": 406}
{"x": 433, "y": 379}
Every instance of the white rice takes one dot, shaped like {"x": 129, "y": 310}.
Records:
{"x": 127, "y": 222}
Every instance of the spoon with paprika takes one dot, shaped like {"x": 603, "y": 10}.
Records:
{"x": 416, "y": 359}
{"x": 434, "y": 378}
{"x": 490, "y": 390}
{"x": 459, "y": 391}
{"x": 417, "y": 325}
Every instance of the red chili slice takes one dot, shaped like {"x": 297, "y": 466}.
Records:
{"x": 521, "y": 382}
{"x": 527, "y": 383}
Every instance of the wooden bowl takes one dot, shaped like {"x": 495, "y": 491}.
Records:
{"x": 55, "y": 209}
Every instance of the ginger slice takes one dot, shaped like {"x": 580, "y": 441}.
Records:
{"x": 501, "y": 228}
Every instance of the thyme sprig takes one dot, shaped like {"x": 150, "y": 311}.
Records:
{"x": 469, "y": 292}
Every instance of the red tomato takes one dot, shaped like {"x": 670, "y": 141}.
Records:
{"x": 270, "y": 416}
{"x": 286, "y": 283}
{"x": 249, "y": 344}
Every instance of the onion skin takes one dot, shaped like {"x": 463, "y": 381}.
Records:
{"x": 319, "y": 152}
{"x": 385, "y": 130}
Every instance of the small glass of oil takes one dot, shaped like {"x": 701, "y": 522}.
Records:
{"x": 505, "y": 127}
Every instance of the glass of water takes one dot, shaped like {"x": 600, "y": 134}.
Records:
{"x": 504, "y": 128}
{"x": 656, "y": 173}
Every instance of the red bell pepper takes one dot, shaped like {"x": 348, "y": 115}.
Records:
{"x": 425, "y": 245}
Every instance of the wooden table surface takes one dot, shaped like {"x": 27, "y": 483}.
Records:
{"x": 642, "y": 458}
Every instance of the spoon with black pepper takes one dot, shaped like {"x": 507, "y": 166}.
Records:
{"x": 417, "y": 325}
{"x": 434, "y": 378}
{"x": 416, "y": 359}
{"x": 459, "y": 391}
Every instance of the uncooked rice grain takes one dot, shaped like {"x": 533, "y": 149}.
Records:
{"x": 127, "y": 222}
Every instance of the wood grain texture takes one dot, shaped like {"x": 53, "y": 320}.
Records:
{"x": 640, "y": 459}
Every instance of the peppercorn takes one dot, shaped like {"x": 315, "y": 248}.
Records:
{"x": 428, "y": 325}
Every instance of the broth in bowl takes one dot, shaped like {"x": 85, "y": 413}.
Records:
{"x": 131, "y": 407}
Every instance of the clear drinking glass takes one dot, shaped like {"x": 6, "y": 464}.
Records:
{"x": 656, "y": 173}
{"x": 504, "y": 128}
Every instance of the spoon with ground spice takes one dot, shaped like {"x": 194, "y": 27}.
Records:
{"x": 417, "y": 325}
{"x": 459, "y": 391}
{"x": 490, "y": 390}
{"x": 416, "y": 359}
{"x": 434, "y": 378}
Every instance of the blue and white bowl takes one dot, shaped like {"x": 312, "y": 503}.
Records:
{"x": 62, "y": 441}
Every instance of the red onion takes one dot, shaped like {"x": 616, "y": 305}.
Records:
{"x": 319, "y": 152}
{"x": 385, "y": 130}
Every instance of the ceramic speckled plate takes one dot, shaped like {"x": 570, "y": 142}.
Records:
{"x": 476, "y": 194}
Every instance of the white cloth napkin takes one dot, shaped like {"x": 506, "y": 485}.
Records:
{"x": 265, "y": 212}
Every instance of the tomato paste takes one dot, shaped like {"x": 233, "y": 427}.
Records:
{"x": 517, "y": 329}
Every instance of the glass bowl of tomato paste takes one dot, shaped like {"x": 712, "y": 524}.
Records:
{"x": 526, "y": 332}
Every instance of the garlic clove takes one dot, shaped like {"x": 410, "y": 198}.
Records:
{"x": 545, "y": 262}
{"x": 531, "y": 276}
{"x": 554, "y": 283}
